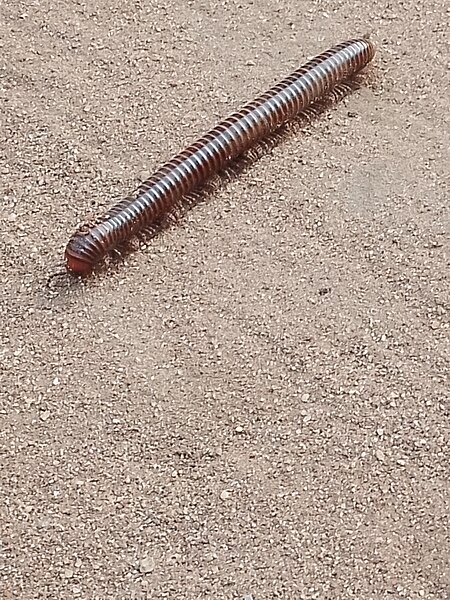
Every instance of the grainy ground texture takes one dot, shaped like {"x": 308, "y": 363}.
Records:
{"x": 255, "y": 404}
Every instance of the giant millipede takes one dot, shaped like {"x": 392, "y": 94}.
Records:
{"x": 230, "y": 139}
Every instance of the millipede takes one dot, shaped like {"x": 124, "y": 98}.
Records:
{"x": 230, "y": 139}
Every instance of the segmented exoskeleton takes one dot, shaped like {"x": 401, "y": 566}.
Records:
{"x": 212, "y": 152}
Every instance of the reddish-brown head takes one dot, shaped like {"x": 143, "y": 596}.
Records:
{"x": 78, "y": 259}
{"x": 78, "y": 266}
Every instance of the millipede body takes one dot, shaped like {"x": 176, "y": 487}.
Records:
{"x": 231, "y": 138}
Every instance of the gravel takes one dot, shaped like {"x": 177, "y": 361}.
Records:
{"x": 255, "y": 403}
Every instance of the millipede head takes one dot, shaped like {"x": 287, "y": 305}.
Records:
{"x": 78, "y": 266}
{"x": 77, "y": 262}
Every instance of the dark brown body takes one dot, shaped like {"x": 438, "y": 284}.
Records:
{"x": 211, "y": 153}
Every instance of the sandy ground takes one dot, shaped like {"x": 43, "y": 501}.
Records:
{"x": 255, "y": 405}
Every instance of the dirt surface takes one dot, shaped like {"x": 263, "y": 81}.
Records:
{"x": 256, "y": 404}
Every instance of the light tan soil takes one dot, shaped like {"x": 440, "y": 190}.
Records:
{"x": 256, "y": 404}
